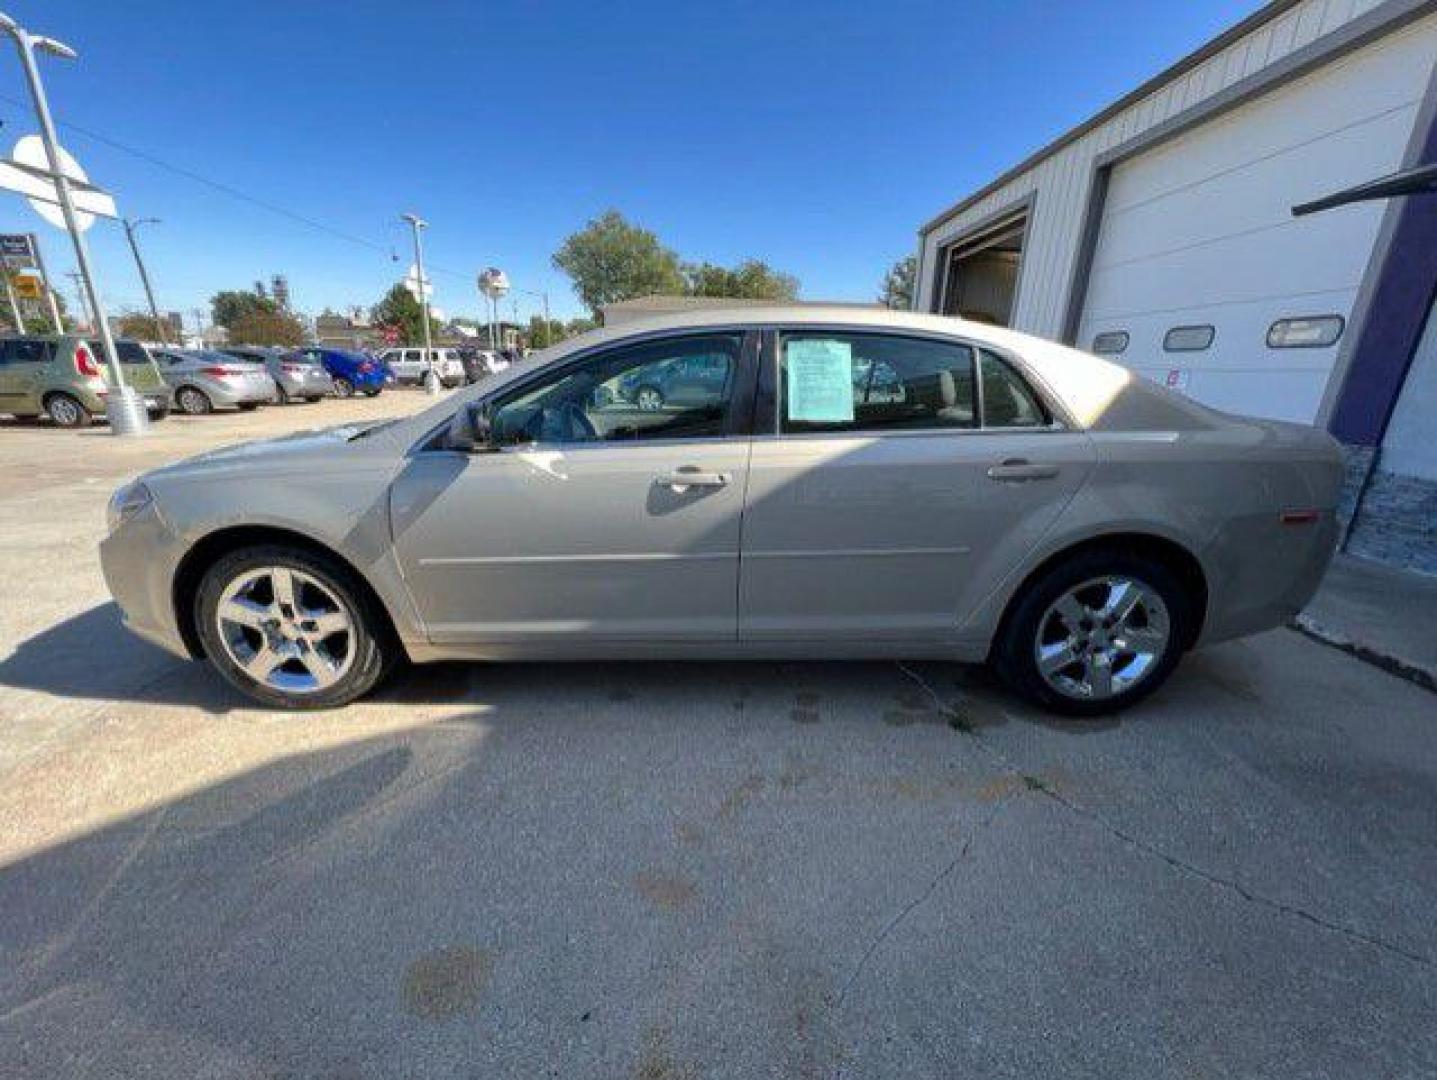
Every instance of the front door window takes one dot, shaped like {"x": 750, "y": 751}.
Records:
{"x": 677, "y": 388}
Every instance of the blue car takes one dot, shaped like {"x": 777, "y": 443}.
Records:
{"x": 352, "y": 372}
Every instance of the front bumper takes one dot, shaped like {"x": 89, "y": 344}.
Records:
{"x": 139, "y": 560}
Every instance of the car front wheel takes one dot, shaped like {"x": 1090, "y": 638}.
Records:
{"x": 291, "y": 628}
{"x": 1095, "y": 634}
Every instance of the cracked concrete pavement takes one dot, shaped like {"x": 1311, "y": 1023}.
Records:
{"x": 686, "y": 870}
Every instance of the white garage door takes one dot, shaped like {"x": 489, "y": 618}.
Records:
{"x": 1198, "y": 232}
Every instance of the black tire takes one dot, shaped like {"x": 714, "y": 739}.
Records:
{"x": 67, "y": 412}
{"x": 343, "y": 388}
{"x": 312, "y": 400}
{"x": 248, "y": 406}
{"x": 192, "y": 401}
{"x": 156, "y": 415}
{"x": 371, "y": 393}
{"x": 1013, "y": 656}
{"x": 374, "y": 655}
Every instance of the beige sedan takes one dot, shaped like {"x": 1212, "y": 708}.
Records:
{"x": 840, "y": 483}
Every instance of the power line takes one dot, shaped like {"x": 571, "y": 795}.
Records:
{"x": 230, "y": 190}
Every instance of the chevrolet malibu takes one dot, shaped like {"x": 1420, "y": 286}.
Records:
{"x": 851, "y": 484}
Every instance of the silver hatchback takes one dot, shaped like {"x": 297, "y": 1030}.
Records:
{"x": 845, "y": 483}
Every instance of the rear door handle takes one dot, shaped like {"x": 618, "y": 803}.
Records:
{"x": 1020, "y": 470}
{"x": 691, "y": 476}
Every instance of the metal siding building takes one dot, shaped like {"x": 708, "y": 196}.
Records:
{"x": 1161, "y": 233}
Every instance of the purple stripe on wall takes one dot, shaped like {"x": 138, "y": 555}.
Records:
{"x": 1406, "y": 286}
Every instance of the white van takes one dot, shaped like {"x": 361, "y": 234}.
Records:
{"x": 409, "y": 365}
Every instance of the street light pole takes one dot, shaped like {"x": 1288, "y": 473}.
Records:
{"x": 431, "y": 377}
{"x": 125, "y": 409}
{"x": 130, "y": 227}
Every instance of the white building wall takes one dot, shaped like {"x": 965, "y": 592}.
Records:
{"x": 1063, "y": 180}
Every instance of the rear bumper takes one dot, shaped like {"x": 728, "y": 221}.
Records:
{"x": 1265, "y": 572}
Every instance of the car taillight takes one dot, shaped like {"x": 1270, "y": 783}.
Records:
{"x": 85, "y": 363}
{"x": 220, "y": 372}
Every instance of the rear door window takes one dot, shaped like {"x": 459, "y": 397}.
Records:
{"x": 834, "y": 382}
{"x": 1008, "y": 401}
{"x": 26, "y": 351}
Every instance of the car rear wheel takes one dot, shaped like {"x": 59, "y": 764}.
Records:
{"x": 64, "y": 411}
{"x": 291, "y": 628}
{"x": 1094, "y": 634}
{"x": 649, "y": 398}
{"x": 371, "y": 393}
{"x": 193, "y": 401}
{"x": 343, "y": 388}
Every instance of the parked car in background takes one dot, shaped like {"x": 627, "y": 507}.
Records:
{"x": 985, "y": 496}
{"x": 352, "y": 372}
{"x": 480, "y": 363}
{"x": 296, "y": 378}
{"x": 65, "y": 377}
{"x": 409, "y": 365}
{"x": 203, "y": 380}
{"x": 679, "y": 382}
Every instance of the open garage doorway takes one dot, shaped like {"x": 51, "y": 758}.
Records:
{"x": 980, "y": 272}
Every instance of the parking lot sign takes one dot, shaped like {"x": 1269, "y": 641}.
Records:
{"x": 15, "y": 246}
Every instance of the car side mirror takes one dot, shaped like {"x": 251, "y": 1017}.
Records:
{"x": 472, "y": 429}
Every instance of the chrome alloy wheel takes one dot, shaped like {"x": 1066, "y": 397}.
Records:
{"x": 1101, "y": 638}
{"x": 286, "y": 629}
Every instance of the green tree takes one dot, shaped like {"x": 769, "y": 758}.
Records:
{"x": 580, "y": 325}
{"x": 145, "y": 327}
{"x": 610, "y": 259}
{"x": 898, "y": 284}
{"x": 36, "y": 316}
{"x": 401, "y": 309}
{"x": 267, "y": 328}
{"x": 750, "y": 280}
{"x": 229, "y": 306}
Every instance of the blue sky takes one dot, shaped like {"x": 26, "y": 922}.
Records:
{"x": 816, "y": 136}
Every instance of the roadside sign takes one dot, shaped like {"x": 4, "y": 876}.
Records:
{"x": 16, "y": 246}
{"x": 28, "y": 285}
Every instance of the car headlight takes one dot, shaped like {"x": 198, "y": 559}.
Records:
{"x": 126, "y": 503}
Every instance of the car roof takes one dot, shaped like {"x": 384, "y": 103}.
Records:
{"x": 1094, "y": 393}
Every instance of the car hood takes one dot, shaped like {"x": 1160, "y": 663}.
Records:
{"x": 320, "y": 448}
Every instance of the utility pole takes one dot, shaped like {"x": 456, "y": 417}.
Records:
{"x": 431, "y": 377}
{"x": 125, "y": 409}
{"x": 74, "y": 276}
{"x": 130, "y": 227}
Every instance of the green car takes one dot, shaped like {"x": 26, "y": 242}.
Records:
{"x": 64, "y": 377}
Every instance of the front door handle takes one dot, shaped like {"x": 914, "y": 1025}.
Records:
{"x": 1021, "y": 470}
{"x": 691, "y": 476}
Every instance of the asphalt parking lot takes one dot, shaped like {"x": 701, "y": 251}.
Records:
{"x": 668, "y": 871}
